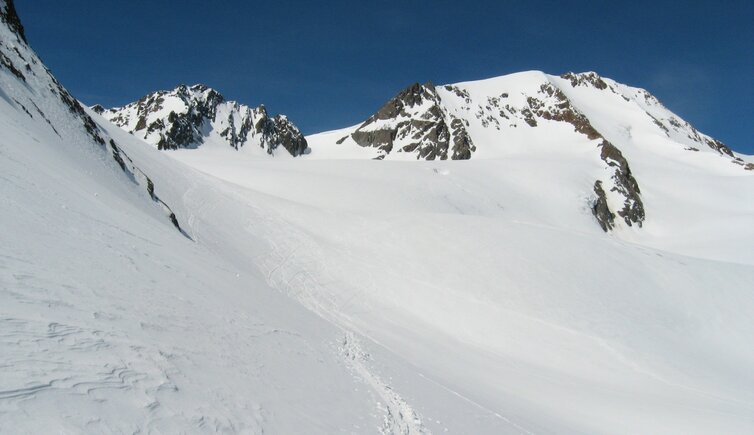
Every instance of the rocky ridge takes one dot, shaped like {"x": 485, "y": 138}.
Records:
{"x": 43, "y": 99}
{"x": 191, "y": 116}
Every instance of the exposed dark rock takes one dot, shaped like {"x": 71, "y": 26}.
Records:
{"x": 675, "y": 123}
{"x": 585, "y": 79}
{"x": 529, "y": 117}
{"x": 7, "y": 63}
{"x": 9, "y": 16}
{"x": 659, "y": 124}
{"x": 462, "y": 144}
{"x": 382, "y": 139}
{"x": 18, "y": 103}
{"x": 462, "y": 93}
{"x": 181, "y": 133}
{"x": 278, "y": 131}
{"x": 98, "y": 109}
{"x": 116, "y": 155}
{"x": 559, "y": 108}
{"x": 419, "y": 124}
{"x": 718, "y": 146}
{"x": 45, "y": 118}
{"x": 600, "y": 209}
{"x": 625, "y": 184}
{"x": 174, "y": 220}
{"x": 141, "y": 124}
{"x": 75, "y": 107}
{"x": 189, "y": 126}
{"x": 409, "y": 97}
{"x": 287, "y": 135}
{"x": 562, "y": 110}
{"x": 150, "y": 188}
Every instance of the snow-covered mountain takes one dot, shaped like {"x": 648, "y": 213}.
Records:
{"x": 188, "y": 117}
{"x": 532, "y": 112}
{"x": 114, "y": 321}
{"x": 446, "y": 122}
{"x": 339, "y": 294}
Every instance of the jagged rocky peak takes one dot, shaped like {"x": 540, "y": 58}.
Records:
{"x": 415, "y": 121}
{"x": 193, "y": 116}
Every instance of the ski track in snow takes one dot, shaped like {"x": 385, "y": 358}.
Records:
{"x": 477, "y": 405}
{"x": 399, "y": 417}
{"x": 289, "y": 277}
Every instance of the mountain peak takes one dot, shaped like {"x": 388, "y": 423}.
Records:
{"x": 576, "y": 114}
{"x": 198, "y": 115}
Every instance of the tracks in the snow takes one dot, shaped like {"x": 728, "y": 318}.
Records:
{"x": 399, "y": 417}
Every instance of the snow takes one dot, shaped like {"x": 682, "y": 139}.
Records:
{"x": 516, "y": 308}
{"x": 324, "y": 295}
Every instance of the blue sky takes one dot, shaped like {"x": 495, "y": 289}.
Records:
{"x": 331, "y": 64}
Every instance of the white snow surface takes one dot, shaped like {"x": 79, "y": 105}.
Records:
{"x": 359, "y": 296}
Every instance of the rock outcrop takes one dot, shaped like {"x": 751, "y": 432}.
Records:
{"x": 191, "y": 116}
{"x": 415, "y": 121}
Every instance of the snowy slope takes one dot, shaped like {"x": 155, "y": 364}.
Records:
{"x": 519, "y": 308}
{"x": 190, "y": 117}
{"x": 490, "y": 277}
{"x": 111, "y": 321}
{"x": 362, "y": 296}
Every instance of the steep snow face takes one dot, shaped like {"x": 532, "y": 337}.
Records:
{"x": 111, "y": 321}
{"x": 29, "y": 88}
{"x": 188, "y": 117}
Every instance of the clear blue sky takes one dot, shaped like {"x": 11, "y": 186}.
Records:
{"x": 331, "y": 64}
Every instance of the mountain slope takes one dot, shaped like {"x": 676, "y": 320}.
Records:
{"x": 343, "y": 296}
{"x": 490, "y": 277}
{"x": 188, "y": 117}
{"x": 111, "y": 321}
{"x": 532, "y": 112}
